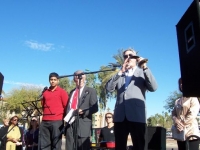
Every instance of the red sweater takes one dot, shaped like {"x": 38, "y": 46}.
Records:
{"x": 54, "y": 104}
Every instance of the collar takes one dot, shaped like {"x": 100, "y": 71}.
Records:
{"x": 81, "y": 89}
{"x": 49, "y": 89}
{"x": 130, "y": 72}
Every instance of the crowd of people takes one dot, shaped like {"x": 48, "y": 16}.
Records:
{"x": 71, "y": 114}
{"x": 12, "y": 136}
{"x": 130, "y": 83}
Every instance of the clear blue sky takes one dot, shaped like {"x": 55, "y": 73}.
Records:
{"x": 38, "y": 37}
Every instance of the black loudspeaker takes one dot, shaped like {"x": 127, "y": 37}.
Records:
{"x": 156, "y": 138}
{"x": 1, "y": 82}
{"x": 188, "y": 34}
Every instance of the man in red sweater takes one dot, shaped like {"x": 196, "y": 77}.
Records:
{"x": 54, "y": 103}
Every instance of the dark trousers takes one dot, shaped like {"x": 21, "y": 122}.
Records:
{"x": 137, "y": 131}
{"x": 193, "y": 145}
{"x": 83, "y": 143}
{"x": 49, "y": 135}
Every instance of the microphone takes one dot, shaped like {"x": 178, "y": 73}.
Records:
{"x": 114, "y": 65}
{"x": 40, "y": 96}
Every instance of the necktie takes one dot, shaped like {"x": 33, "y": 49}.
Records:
{"x": 75, "y": 99}
{"x": 127, "y": 80}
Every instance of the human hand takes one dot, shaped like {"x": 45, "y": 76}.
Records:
{"x": 179, "y": 125}
{"x": 80, "y": 111}
{"x": 142, "y": 62}
{"x": 14, "y": 140}
{"x": 124, "y": 65}
{"x": 18, "y": 143}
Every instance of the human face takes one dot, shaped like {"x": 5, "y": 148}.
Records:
{"x": 76, "y": 80}
{"x": 34, "y": 121}
{"x": 131, "y": 62}
{"x": 14, "y": 121}
{"x": 109, "y": 118}
{"x": 6, "y": 122}
{"x": 53, "y": 81}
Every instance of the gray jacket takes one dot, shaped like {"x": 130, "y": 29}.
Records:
{"x": 131, "y": 102}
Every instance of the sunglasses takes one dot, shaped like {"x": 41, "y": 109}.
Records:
{"x": 33, "y": 120}
{"x": 15, "y": 120}
{"x": 108, "y": 117}
{"x": 130, "y": 56}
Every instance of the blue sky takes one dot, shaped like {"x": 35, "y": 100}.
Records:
{"x": 38, "y": 37}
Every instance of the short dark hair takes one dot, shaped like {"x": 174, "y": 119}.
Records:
{"x": 53, "y": 74}
{"x": 109, "y": 113}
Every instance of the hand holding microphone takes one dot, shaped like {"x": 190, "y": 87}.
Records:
{"x": 142, "y": 62}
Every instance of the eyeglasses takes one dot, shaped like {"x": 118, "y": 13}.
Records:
{"x": 15, "y": 120}
{"x": 130, "y": 56}
{"x": 108, "y": 117}
{"x": 33, "y": 120}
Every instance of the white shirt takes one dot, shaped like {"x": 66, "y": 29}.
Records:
{"x": 128, "y": 75}
{"x": 68, "y": 118}
{"x": 71, "y": 98}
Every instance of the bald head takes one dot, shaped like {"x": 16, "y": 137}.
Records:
{"x": 79, "y": 75}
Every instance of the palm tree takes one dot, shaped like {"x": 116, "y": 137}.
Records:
{"x": 105, "y": 76}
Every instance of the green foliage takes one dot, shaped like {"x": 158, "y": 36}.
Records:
{"x": 4, "y": 108}
{"x": 91, "y": 80}
{"x": 170, "y": 101}
{"x": 163, "y": 120}
{"x": 119, "y": 57}
{"x": 105, "y": 76}
{"x": 16, "y": 97}
{"x": 67, "y": 84}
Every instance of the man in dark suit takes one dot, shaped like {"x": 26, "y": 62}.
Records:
{"x": 131, "y": 83}
{"x": 86, "y": 105}
{"x": 3, "y": 132}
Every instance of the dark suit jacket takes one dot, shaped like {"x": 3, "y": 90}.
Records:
{"x": 3, "y": 132}
{"x": 90, "y": 102}
{"x": 131, "y": 102}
